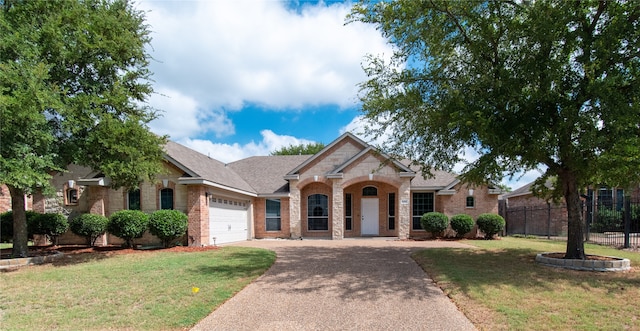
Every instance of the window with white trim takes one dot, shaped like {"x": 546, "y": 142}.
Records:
{"x": 273, "y": 219}
{"x": 318, "y": 212}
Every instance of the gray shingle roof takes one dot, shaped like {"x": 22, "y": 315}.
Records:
{"x": 441, "y": 179}
{"x": 266, "y": 173}
{"x": 196, "y": 165}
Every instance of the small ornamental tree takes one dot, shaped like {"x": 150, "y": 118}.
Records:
{"x": 168, "y": 225}
{"x": 461, "y": 224}
{"x": 49, "y": 224}
{"x": 90, "y": 226}
{"x": 128, "y": 225}
{"x": 434, "y": 222}
{"x": 490, "y": 224}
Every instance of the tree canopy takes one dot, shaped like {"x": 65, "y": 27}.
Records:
{"x": 301, "y": 149}
{"x": 525, "y": 84}
{"x": 74, "y": 79}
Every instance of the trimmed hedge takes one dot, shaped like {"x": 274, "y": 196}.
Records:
{"x": 128, "y": 225}
{"x": 89, "y": 226}
{"x": 6, "y": 224}
{"x": 490, "y": 224}
{"x": 49, "y": 224}
{"x": 434, "y": 222}
{"x": 168, "y": 225}
{"x": 462, "y": 224}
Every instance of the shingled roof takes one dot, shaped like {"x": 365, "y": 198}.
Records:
{"x": 198, "y": 165}
{"x": 266, "y": 173}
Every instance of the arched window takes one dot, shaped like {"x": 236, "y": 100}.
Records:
{"x": 369, "y": 191}
{"x": 166, "y": 198}
{"x": 133, "y": 200}
{"x": 318, "y": 212}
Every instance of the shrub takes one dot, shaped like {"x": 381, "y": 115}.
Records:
{"x": 168, "y": 225}
{"x": 434, "y": 222}
{"x": 128, "y": 225}
{"x": 490, "y": 224}
{"x": 6, "y": 224}
{"x": 607, "y": 220}
{"x": 49, "y": 224}
{"x": 90, "y": 226}
{"x": 461, "y": 224}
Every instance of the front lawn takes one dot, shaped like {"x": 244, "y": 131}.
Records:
{"x": 500, "y": 287}
{"x": 155, "y": 290}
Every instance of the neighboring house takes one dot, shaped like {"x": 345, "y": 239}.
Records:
{"x": 349, "y": 189}
{"x": 528, "y": 214}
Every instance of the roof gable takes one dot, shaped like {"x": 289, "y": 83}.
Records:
{"x": 346, "y": 138}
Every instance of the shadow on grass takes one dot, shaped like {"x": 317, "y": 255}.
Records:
{"x": 481, "y": 270}
{"x": 244, "y": 263}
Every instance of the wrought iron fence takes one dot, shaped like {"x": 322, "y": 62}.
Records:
{"x": 606, "y": 223}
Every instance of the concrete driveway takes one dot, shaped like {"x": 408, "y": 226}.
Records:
{"x": 351, "y": 284}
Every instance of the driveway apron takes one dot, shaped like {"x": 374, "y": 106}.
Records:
{"x": 362, "y": 284}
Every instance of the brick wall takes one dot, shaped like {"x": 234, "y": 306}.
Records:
{"x": 259, "y": 210}
{"x": 198, "y": 215}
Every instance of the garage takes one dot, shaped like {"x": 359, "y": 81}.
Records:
{"x": 228, "y": 219}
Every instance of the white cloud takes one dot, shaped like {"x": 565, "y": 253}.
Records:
{"x": 232, "y": 152}
{"x": 182, "y": 116}
{"x": 220, "y": 55}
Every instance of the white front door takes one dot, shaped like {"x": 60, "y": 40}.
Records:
{"x": 369, "y": 220}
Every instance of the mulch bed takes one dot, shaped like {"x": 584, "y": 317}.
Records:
{"x": 588, "y": 257}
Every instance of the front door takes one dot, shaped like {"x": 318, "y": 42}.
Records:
{"x": 369, "y": 220}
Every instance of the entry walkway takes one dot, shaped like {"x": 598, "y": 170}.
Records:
{"x": 351, "y": 284}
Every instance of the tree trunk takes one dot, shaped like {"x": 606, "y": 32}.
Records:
{"x": 20, "y": 236}
{"x": 575, "y": 235}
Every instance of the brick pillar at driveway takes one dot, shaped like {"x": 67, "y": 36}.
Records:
{"x": 295, "y": 225}
{"x": 338, "y": 210}
{"x": 198, "y": 215}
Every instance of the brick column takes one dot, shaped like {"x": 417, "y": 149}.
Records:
{"x": 404, "y": 209}
{"x": 38, "y": 204}
{"x": 98, "y": 202}
{"x": 198, "y": 215}
{"x": 337, "y": 210}
{"x": 295, "y": 225}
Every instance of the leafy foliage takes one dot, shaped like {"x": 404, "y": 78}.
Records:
{"x": 74, "y": 79}
{"x": 49, "y": 224}
{"x": 168, "y": 225}
{"x": 90, "y": 226}
{"x": 128, "y": 225}
{"x": 462, "y": 224}
{"x": 490, "y": 224}
{"x": 434, "y": 222}
{"x": 302, "y": 149}
{"x": 6, "y": 224}
{"x": 548, "y": 84}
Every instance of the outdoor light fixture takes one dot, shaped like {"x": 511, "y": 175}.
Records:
{"x": 71, "y": 183}
{"x": 315, "y": 178}
{"x": 470, "y": 192}
{"x": 165, "y": 183}
{"x": 370, "y": 176}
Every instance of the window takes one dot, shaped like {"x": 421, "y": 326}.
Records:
{"x": 273, "y": 215}
{"x": 422, "y": 204}
{"x": 166, "y": 198}
{"x": 471, "y": 202}
{"x": 348, "y": 213}
{"x": 318, "y": 212}
{"x": 392, "y": 211}
{"x": 72, "y": 196}
{"x": 133, "y": 200}
{"x": 369, "y": 191}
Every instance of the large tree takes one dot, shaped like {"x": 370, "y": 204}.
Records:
{"x": 301, "y": 149}
{"x": 73, "y": 82}
{"x": 526, "y": 84}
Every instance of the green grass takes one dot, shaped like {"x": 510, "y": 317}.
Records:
{"x": 144, "y": 291}
{"x": 500, "y": 287}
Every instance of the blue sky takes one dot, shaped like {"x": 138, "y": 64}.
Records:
{"x": 237, "y": 78}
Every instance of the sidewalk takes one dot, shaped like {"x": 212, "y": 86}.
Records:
{"x": 359, "y": 284}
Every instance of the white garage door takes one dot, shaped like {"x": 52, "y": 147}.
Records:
{"x": 228, "y": 220}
